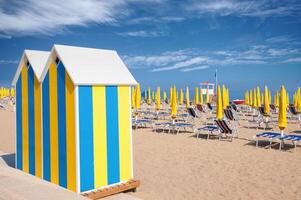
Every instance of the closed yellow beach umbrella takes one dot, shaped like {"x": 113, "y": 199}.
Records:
{"x": 181, "y": 97}
{"x": 201, "y": 97}
{"x": 149, "y": 99}
{"x": 133, "y": 97}
{"x": 153, "y": 95}
{"x": 224, "y": 98}
{"x": 219, "y": 106}
{"x": 266, "y": 101}
{"x": 158, "y": 99}
{"x": 196, "y": 96}
{"x": 254, "y": 98}
{"x": 170, "y": 96}
{"x": 164, "y": 96}
{"x": 207, "y": 96}
{"x": 258, "y": 97}
{"x": 282, "y": 122}
{"x": 270, "y": 97}
{"x": 247, "y": 98}
{"x": 251, "y": 98}
{"x": 174, "y": 103}
{"x": 137, "y": 97}
{"x": 187, "y": 98}
{"x": 228, "y": 97}
{"x": 299, "y": 100}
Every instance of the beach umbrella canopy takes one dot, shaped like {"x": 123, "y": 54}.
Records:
{"x": 276, "y": 100}
{"x": 187, "y": 98}
{"x": 224, "y": 98}
{"x": 164, "y": 96}
{"x": 219, "y": 106}
{"x": 196, "y": 96}
{"x": 228, "y": 97}
{"x": 266, "y": 101}
{"x": 299, "y": 100}
{"x": 174, "y": 103}
{"x": 254, "y": 98}
{"x": 181, "y": 97}
{"x": 158, "y": 99}
{"x": 149, "y": 99}
{"x": 170, "y": 96}
{"x": 207, "y": 96}
{"x": 258, "y": 97}
{"x": 251, "y": 98}
{"x": 137, "y": 97}
{"x": 282, "y": 122}
{"x": 201, "y": 97}
{"x": 247, "y": 97}
{"x": 270, "y": 97}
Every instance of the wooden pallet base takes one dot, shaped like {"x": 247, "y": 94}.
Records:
{"x": 100, "y": 193}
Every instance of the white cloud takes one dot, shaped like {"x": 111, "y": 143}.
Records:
{"x": 7, "y": 62}
{"x": 293, "y": 60}
{"x": 183, "y": 64}
{"x": 251, "y": 8}
{"x": 194, "y": 68}
{"x": 46, "y": 17}
{"x": 144, "y": 33}
{"x": 193, "y": 59}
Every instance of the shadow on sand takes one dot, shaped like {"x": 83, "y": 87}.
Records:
{"x": 9, "y": 159}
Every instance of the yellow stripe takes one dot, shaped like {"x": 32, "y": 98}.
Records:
{"x": 37, "y": 124}
{"x": 100, "y": 136}
{"x": 70, "y": 134}
{"x": 53, "y": 124}
{"x": 25, "y": 150}
{"x": 124, "y": 132}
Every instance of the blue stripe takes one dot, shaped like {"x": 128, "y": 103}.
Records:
{"x": 86, "y": 138}
{"x": 62, "y": 125}
{"x": 46, "y": 129}
{"x": 19, "y": 122}
{"x": 31, "y": 128}
{"x": 112, "y": 134}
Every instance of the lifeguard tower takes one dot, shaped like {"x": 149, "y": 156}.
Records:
{"x": 207, "y": 86}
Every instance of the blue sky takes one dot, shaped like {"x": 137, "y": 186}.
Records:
{"x": 165, "y": 42}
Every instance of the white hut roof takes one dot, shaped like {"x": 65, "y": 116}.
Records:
{"x": 37, "y": 60}
{"x": 88, "y": 66}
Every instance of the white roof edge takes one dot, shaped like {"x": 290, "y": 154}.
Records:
{"x": 27, "y": 54}
{"x": 78, "y": 83}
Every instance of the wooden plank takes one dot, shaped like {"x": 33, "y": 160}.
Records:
{"x": 100, "y": 193}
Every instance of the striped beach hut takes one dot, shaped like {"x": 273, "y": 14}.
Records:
{"x": 28, "y": 111}
{"x": 87, "y": 138}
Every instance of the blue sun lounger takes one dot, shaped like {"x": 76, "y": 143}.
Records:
{"x": 208, "y": 129}
{"x": 277, "y": 136}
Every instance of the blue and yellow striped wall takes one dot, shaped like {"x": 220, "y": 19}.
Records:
{"x": 59, "y": 148}
{"x": 28, "y": 123}
{"x": 56, "y": 119}
{"x": 104, "y": 135}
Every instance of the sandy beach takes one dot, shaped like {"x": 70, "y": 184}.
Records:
{"x": 184, "y": 167}
{"x": 181, "y": 166}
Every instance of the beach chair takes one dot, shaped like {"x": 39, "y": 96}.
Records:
{"x": 230, "y": 115}
{"x": 143, "y": 123}
{"x": 269, "y": 135}
{"x": 164, "y": 126}
{"x": 209, "y": 130}
{"x": 273, "y": 108}
{"x": 176, "y": 127}
{"x": 272, "y": 136}
{"x": 294, "y": 114}
{"x": 200, "y": 108}
{"x": 225, "y": 129}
